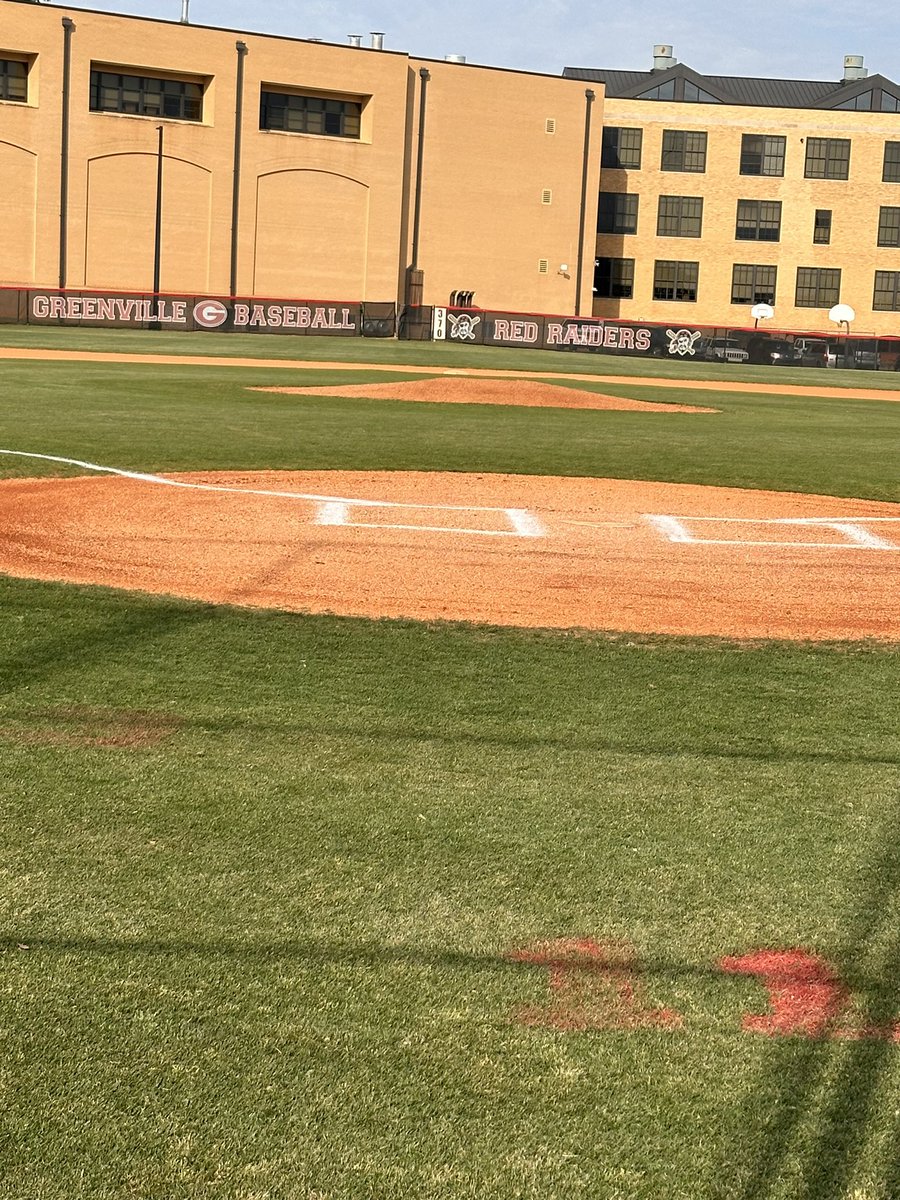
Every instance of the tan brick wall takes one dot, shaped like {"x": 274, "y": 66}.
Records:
{"x": 320, "y": 217}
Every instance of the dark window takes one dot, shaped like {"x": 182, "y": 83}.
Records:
{"x": 862, "y": 102}
{"x": 621, "y": 148}
{"x": 679, "y": 216}
{"x": 295, "y": 113}
{"x": 617, "y": 213}
{"x": 891, "y": 171}
{"x": 758, "y": 221}
{"x": 13, "y": 79}
{"x": 665, "y": 91}
{"x": 146, "y": 96}
{"x": 614, "y": 278}
{"x": 889, "y": 227}
{"x": 675, "y": 280}
{"x": 827, "y": 158}
{"x": 762, "y": 155}
{"x": 683, "y": 150}
{"x": 822, "y": 226}
{"x": 818, "y": 287}
{"x": 889, "y": 103}
{"x": 751, "y": 284}
{"x": 697, "y": 95}
{"x": 887, "y": 291}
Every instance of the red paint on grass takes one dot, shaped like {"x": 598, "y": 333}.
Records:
{"x": 806, "y": 997}
{"x": 593, "y": 985}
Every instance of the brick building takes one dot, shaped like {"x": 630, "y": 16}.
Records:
{"x": 719, "y": 192}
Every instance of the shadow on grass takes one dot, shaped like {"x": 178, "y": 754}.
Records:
{"x": 808, "y": 1125}
{"x": 321, "y": 727}
{"x": 44, "y": 658}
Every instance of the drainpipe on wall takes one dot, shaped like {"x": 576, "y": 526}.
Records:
{"x": 241, "y": 48}
{"x": 415, "y": 277}
{"x": 589, "y": 98}
{"x": 68, "y": 29}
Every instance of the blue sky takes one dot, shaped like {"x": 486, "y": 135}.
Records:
{"x": 800, "y": 39}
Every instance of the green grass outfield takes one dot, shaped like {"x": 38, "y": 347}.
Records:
{"x": 264, "y": 954}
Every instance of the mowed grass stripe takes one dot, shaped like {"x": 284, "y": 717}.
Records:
{"x": 158, "y": 418}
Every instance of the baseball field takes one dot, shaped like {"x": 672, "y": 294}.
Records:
{"x": 437, "y": 772}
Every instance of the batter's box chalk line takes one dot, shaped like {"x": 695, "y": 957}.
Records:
{"x": 852, "y": 529}
{"x": 331, "y": 510}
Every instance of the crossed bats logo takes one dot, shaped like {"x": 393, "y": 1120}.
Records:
{"x": 463, "y": 326}
{"x": 681, "y": 341}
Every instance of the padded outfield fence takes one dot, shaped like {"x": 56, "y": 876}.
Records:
{"x": 465, "y": 326}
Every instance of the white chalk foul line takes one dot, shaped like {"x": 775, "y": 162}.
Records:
{"x": 524, "y": 523}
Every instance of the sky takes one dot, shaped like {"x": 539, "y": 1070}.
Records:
{"x": 794, "y": 39}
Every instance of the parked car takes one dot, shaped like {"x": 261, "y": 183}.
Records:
{"x": 722, "y": 349}
{"x": 812, "y": 352}
{"x": 856, "y": 357}
{"x": 776, "y": 352}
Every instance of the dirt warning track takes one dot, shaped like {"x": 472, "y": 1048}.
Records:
{"x": 501, "y": 549}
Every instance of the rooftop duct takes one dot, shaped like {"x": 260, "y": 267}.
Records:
{"x": 355, "y": 39}
{"x": 457, "y": 58}
{"x": 853, "y": 68}
{"x": 663, "y": 58}
{"x": 377, "y": 41}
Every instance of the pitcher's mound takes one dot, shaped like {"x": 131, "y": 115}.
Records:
{"x": 526, "y": 393}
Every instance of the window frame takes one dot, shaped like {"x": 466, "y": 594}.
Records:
{"x": 678, "y": 216}
{"x": 618, "y": 218}
{"x": 678, "y": 282}
{"x": 893, "y": 290}
{"x": 889, "y": 226}
{"x": 759, "y": 224}
{"x": 759, "y": 293}
{"x": 6, "y": 76}
{"x": 621, "y": 278}
{"x": 766, "y": 154}
{"x": 818, "y": 285}
{"x": 143, "y": 105}
{"x": 829, "y": 159}
{"x": 823, "y": 226}
{"x": 342, "y": 112}
{"x": 676, "y": 150}
{"x": 611, "y": 149}
{"x": 890, "y": 167}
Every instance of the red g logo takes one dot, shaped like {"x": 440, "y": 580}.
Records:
{"x": 210, "y": 314}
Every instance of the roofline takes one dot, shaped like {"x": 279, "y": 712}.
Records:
{"x": 281, "y": 37}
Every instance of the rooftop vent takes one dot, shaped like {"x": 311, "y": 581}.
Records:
{"x": 377, "y": 41}
{"x": 185, "y": 17}
{"x": 355, "y": 39}
{"x": 662, "y": 58}
{"x": 458, "y": 58}
{"x": 853, "y": 68}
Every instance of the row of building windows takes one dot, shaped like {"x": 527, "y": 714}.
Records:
{"x": 761, "y": 154}
{"x": 755, "y": 221}
{"x": 182, "y": 100}
{"x": 751, "y": 283}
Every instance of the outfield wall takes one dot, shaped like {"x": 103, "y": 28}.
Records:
{"x": 469, "y": 326}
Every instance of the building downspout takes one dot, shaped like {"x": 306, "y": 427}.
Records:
{"x": 589, "y": 98}
{"x": 414, "y": 279}
{"x": 68, "y": 29}
{"x": 241, "y": 48}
